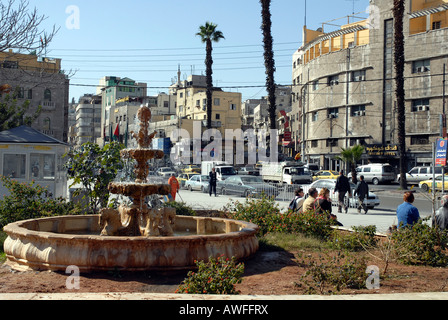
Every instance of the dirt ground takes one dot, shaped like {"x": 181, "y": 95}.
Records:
{"x": 267, "y": 273}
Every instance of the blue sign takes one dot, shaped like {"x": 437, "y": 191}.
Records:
{"x": 441, "y": 150}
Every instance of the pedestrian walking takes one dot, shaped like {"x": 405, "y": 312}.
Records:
{"x": 362, "y": 191}
{"x": 342, "y": 187}
{"x": 212, "y": 182}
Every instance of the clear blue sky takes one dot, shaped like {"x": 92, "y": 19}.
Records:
{"x": 145, "y": 40}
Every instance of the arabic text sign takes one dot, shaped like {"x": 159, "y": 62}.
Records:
{"x": 441, "y": 149}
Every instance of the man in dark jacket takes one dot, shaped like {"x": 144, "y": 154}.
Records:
{"x": 362, "y": 191}
{"x": 342, "y": 187}
{"x": 212, "y": 182}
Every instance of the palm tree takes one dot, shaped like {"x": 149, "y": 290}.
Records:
{"x": 399, "y": 83}
{"x": 351, "y": 156}
{"x": 209, "y": 34}
{"x": 269, "y": 59}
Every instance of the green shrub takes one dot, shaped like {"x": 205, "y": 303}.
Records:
{"x": 361, "y": 238}
{"x": 330, "y": 274}
{"x": 266, "y": 214}
{"x": 217, "y": 276}
{"x": 29, "y": 201}
{"x": 182, "y": 208}
{"x": 421, "y": 244}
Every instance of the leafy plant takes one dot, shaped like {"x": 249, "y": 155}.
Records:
{"x": 421, "y": 245}
{"x": 217, "y": 276}
{"x": 95, "y": 168}
{"x": 361, "y": 238}
{"x": 332, "y": 273}
{"x": 30, "y": 200}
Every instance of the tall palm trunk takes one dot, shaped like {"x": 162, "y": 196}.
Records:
{"x": 399, "y": 59}
{"x": 269, "y": 60}
{"x": 209, "y": 81}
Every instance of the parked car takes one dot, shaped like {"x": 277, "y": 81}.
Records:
{"x": 248, "y": 170}
{"x": 198, "y": 182}
{"x": 165, "y": 171}
{"x": 246, "y": 186}
{"x": 326, "y": 174}
{"x": 376, "y": 173}
{"x": 427, "y": 184}
{"x": 183, "y": 177}
{"x": 418, "y": 174}
{"x": 371, "y": 201}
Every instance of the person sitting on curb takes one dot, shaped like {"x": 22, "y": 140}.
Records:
{"x": 441, "y": 218}
{"x": 308, "y": 204}
{"x": 407, "y": 214}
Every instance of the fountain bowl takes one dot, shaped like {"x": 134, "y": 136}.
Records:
{"x": 58, "y": 242}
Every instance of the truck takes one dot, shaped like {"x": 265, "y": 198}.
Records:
{"x": 223, "y": 170}
{"x": 286, "y": 172}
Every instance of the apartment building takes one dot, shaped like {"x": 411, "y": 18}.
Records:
{"x": 42, "y": 82}
{"x": 88, "y": 119}
{"x": 111, "y": 90}
{"x": 344, "y": 88}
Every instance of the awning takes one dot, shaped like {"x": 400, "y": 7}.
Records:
{"x": 426, "y": 12}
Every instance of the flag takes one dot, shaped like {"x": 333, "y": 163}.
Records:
{"x": 116, "y": 133}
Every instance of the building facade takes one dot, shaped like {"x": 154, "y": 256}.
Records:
{"x": 43, "y": 83}
{"x": 88, "y": 119}
{"x": 344, "y": 88}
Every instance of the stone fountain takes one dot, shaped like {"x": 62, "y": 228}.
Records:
{"x": 138, "y": 219}
{"x": 135, "y": 237}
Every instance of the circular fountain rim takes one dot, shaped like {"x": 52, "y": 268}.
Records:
{"x": 19, "y": 228}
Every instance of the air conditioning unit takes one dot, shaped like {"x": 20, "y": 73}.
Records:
{"x": 422, "y": 108}
{"x": 331, "y": 116}
{"x": 362, "y": 113}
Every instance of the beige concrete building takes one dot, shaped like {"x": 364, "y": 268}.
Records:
{"x": 344, "y": 92}
{"x": 42, "y": 82}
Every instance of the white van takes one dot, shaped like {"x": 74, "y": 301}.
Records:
{"x": 417, "y": 174}
{"x": 377, "y": 173}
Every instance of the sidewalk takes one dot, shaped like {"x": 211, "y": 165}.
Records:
{"x": 381, "y": 219}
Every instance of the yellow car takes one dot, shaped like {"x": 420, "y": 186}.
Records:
{"x": 427, "y": 184}
{"x": 183, "y": 177}
{"x": 192, "y": 169}
{"x": 326, "y": 174}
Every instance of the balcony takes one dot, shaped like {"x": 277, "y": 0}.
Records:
{"x": 48, "y": 105}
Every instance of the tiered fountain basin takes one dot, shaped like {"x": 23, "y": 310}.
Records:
{"x": 58, "y": 242}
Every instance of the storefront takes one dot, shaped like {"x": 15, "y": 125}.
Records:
{"x": 27, "y": 155}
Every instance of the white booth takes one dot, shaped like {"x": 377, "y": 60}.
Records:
{"x": 27, "y": 154}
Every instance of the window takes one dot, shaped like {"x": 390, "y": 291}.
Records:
{"x": 217, "y": 102}
{"x": 42, "y": 166}
{"x": 47, "y": 95}
{"x": 358, "y": 111}
{"x": 218, "y": 116}
{"x": 420, "y": 105}
{"x": 30, "y": 94}
{"x": 333, "y": 113}
{"x": 332, "y": 143}
{"x": 436, "y": 25}
{"x": 420, "y": 140}
{"x": 14, "y": 165}
{"x": 47, "y": 124}
{"x": 198, "y": 103}
{"x": 359, "y": 76}
{"x": 232, "y": 106}
{"x": 421, "y": 66}
{"x": 333, "y": 80}
{"x": 315, "y": 85}
{"x": 314, "y": 116}
{"x": 314, "y": 144}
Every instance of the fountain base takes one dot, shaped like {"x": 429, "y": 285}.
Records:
{"x": 58, "y": 242}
